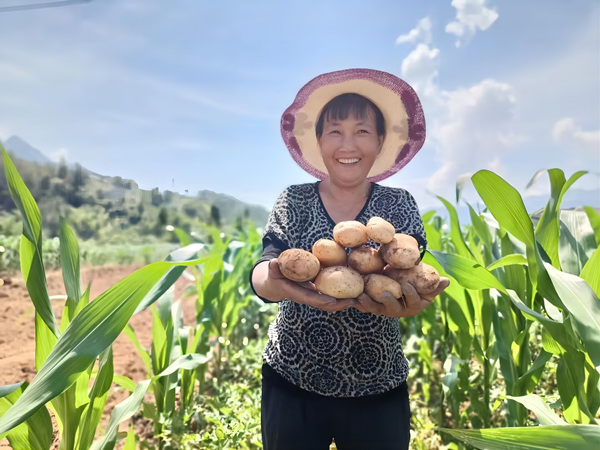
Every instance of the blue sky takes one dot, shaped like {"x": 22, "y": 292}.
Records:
{"x": 187, "y": 95}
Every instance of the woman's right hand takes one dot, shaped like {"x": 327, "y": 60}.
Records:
{"x": 270, "y": 283}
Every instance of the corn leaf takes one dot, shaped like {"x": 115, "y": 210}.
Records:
{"x": 467, "y": 272}
{"x": 505, "y": 204}
{"x": 183, "y": 254}
{"x": 92, "y": 414}
{"x": 144, "y": 355}
{"x": 91, "y": 332}
{"x": 189, "y": 362}
{"x": 455, "y": 231}
{"x": 32, "y": 266}
{"x": 591, "y": 272}
{"x": 36, "y": 432}
{"x": 547, "y": 229}
{"x": 584, "y": 306}
{"x": 566, "y": 437}
{"x": 120, "y": 413}
{"x": 69, "y": 260}
{"x": 130, "y": 440}
{"x": 508, "y": 260}
{"x": 543, "y": 412}
{"x": 594, "y": 222}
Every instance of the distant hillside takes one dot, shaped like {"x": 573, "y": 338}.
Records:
{"x": 23, "y": 150}
{"x": 100, "y": 204}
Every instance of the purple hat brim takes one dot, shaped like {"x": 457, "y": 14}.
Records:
{"x": 396, "y": 86}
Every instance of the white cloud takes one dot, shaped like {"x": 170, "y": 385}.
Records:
{"x": 565, "y": 131}
{"x": 421, "y": 33}
{"x": 419, "y": 68}
{"x": 471, "y": 15}
{"x": 472, "y": 131}
{"x": 60, "y": 154}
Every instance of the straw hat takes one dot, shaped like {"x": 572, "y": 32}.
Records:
{"x": 398, "y": 102}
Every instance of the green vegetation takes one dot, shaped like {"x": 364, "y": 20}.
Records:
{"x": 507, "y": 357}
{"x": 108, "y": 209}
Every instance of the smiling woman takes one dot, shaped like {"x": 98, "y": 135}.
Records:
{"x": 334, "y": 368}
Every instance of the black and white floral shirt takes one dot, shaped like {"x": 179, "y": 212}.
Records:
{"x": 346, "y": 353}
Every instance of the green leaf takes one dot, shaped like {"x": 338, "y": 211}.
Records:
{"x": 594, "y": 222}
{"x": 36, "y": 432}
{"x": 591, "y": 272}
{"x": 180, "y": 255}
{"x": 455, "y": 231}
{"x": 130, "y": 440}
{"x": 547, "y": 230}
{"x": 32, "y": 266}
{"x": 508, "y": 260}
{"x": 189, "y": 362}
{"x": 90, "y": 418}
{"x": 123, "y": 411}
{"x": 144, "y": 355}
{"x": 69, "y": 261}
{"x": 543, "y": 412}
{"x": 584, "y": 306}
{"x": 90, "y": 333}
{"x": 566, "y": 437}
{"x": 505, "y": 204}
{"x": 467, "y": 272}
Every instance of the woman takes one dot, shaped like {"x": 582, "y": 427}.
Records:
{"x": 334, "y": 368}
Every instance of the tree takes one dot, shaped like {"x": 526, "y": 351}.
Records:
{"x": 215, "y": 216}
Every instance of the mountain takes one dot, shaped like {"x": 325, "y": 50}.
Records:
{"x": 23, "y": 150}
{"x": 61, "y": 187}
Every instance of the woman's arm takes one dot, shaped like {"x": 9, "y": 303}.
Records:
{"x": 269, "y": 283}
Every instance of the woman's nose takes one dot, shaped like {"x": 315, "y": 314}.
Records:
{"x": 349, "y": 142}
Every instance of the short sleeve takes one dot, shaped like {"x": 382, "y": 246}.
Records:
{"x": 282, "y": 224}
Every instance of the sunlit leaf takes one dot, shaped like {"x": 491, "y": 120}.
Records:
{"x": 123, "y": 411}
{"x": 544, "y": 414}
{"x": 566, "y": 437}
{"x": 581, "y": 301}
{"x": 36, "y": 432}
{"x": 467, "y": 272}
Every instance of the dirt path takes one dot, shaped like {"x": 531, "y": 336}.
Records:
{"x": 17, "y": 332}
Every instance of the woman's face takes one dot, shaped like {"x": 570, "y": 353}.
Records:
{"x": 349, "y": 148}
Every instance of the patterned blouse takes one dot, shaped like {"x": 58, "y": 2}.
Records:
{"x": 346, "y": 353}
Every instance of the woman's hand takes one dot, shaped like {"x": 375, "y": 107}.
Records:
{"x": 270, "y": 283}
{"x": 411, "y": 304}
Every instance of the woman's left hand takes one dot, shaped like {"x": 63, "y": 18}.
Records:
{"x": 388, "y": 305}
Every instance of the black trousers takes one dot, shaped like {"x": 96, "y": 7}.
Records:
{"x": 295, "y": 419}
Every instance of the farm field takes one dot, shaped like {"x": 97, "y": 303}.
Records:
{"x": 507, "y": 357}
{"x": 17, "y": 334}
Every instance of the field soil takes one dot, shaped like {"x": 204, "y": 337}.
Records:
{"x": 17, "y": 331}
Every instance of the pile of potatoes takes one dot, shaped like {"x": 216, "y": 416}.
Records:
{"x": 343, "y": 274}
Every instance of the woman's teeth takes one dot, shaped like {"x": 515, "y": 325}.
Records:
{"x": 348, "y": 160}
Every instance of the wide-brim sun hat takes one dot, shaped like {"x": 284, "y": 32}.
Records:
{"x": 397, "y": 100}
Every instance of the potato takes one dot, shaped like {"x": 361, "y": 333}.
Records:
{"x": 365, "y": 260}
{"x": 350, "y": 234}
{"x": 329, "y": 253}
{"x": 376, "y": 284}
{"x": 298, "y": 265}
{"x": 423, "y": 277}
{"x": 340, "y": 282}
{"x": 380, "y": 230}
{"x": 402, "y": 252}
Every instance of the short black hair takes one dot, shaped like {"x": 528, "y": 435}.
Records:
{"x": 344, "y": 105}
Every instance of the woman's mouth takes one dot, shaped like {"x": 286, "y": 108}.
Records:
{"x": 348, "y": 160}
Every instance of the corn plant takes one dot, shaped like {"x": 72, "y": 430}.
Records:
{"x": 220, "y": 288}
{"x": 508, "y": 282}
{"x": 66, "y": 353}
